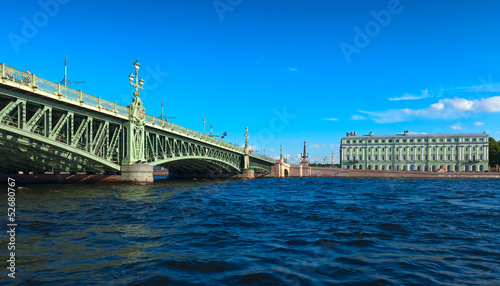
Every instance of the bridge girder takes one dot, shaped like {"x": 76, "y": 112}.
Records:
{"x": 49, "y": 127}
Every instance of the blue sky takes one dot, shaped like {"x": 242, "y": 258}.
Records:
{"x": 290, "y": 70}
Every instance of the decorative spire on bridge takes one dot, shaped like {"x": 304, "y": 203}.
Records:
{"x": 281, "y": 152}
{"x": 246, "y": 137}
{"x": 137, "y": 116}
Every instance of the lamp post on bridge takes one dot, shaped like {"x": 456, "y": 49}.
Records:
{"x": 247, "y": 172}
{"x": 137, "y": 121}
{"x": 139, "y": 83}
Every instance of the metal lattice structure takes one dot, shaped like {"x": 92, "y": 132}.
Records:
{"x": 45, "y": 126}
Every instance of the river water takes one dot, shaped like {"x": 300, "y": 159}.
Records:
{"x": 293, "y": 231}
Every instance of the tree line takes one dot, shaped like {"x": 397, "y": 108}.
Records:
{"x": 494, "y": 152}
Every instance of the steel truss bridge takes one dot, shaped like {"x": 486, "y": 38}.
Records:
{"x": 48, "y": 127}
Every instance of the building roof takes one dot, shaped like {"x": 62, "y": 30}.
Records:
{"x": 410, "y": 135}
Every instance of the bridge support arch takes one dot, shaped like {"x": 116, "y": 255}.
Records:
{"x": 280, "y": 169}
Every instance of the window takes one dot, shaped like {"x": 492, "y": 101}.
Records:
{"x": 397, "y": 157}
{"x": 419, "y": 140}
{"x": 474, "y": 148}
{"x": 449, "y": 140}
{"x": 404, "y": 157}
{"x": 466, "y": 139}
{"x": 411, "y": 149}
{"x": 382, "y": 157}
{"x": 434, "y": 157}
{"x": 390, "y": 157}
{"x": 433, "y": 148}
{"x": 376, "y": 157}
{"x": 449, "y": 148}
{"x": 411, "y": 157}
{"x": 418, "y": 157}
{"x": 433, "y": 140}
{"x": 404, "y": 140}
{"x": 442, "y": 140}
{"x": 474, "y": 139}
{"x": 376, "y": 141}
{"x": 441, "y": 157}
{"x": 418, "y": 148}
{"x": 449, "y": 157}
{"x": 369, "y": 141}
{"x": 376, "y": 149}
{"x": 411, "y": 140}
{"x": 456, "y": 140}
{"x": 369, "y": 157}
{"x": 441, "y": 149}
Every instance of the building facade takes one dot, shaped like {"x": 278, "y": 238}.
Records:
{"x": 462, "y": 152}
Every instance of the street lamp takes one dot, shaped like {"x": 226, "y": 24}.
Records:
{"x": 139, "y": 83}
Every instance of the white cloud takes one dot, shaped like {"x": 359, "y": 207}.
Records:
{"x": 487, "y": 85}
{"x": 251, "y": 148}
{"x": 447, "y": 108}
{"x": 457, "y": 126}
{"x": 409, "y": 96}
{"x": 331, "y": 119}
{"x": 478, "y": 123}
{"x": 358, "y": 117}
{"x": 293, "y": 69}
{"x": 313, "y": 146}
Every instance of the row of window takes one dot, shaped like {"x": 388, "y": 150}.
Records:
{"x": 370, "y": 149}
{"x": 482, "y": 139}
{"x": 434, "y": 168}
{"x": 412, "y": 157}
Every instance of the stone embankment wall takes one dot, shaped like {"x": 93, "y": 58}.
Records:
{"x": 336, "y": 172}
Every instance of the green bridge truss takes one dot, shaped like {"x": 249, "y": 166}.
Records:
{"x": 45, "y": 126}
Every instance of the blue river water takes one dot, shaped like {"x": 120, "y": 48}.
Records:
{"x": 291, "y": 231}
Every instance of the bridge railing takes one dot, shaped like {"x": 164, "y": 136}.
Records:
{"x": 191, "y": 133}
{"x": 75, "y": 96}
{"x": 78, "y": 97}
{"x": 262, "y": 157}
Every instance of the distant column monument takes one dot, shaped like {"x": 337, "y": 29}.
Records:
{"x": 304, "y": 156}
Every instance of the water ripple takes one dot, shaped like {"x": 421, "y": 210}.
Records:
{"x": 309, "y": 231}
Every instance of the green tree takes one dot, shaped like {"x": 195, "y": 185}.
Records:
{"x": 494, "y": 152}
